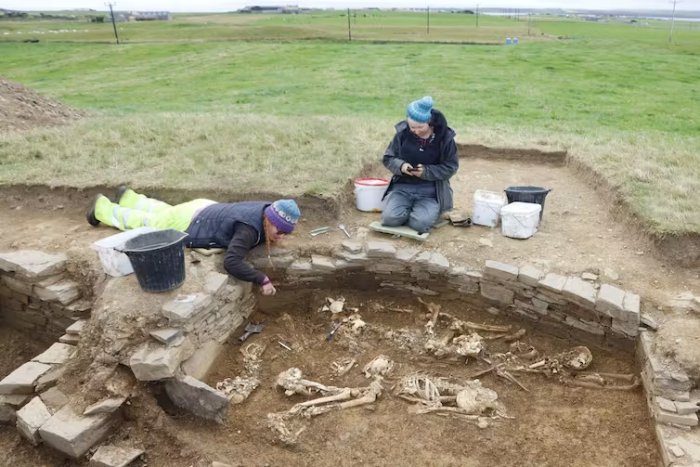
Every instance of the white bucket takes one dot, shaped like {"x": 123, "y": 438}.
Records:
{"x": 369, "y": 193}
{"x": 116, "y": 263}
{"x": 520, "y": 220}
{"x": 487, "y": 207}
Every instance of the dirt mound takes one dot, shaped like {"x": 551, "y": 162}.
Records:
{"x": 21, "y": 108}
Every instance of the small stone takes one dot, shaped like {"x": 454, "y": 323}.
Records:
{"x": 485, "y": 242}
{"x": 105, "y": 406}
{"x": 589, "y": 276}
{"x": 113, "y": 456}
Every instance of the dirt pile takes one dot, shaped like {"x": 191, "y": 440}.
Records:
{"x": 22, "y": 108}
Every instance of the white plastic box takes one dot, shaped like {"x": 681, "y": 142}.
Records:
{"x": 487, "y": 207}
{"x": 520, "y": 220}
{"x": 115, "y": 263}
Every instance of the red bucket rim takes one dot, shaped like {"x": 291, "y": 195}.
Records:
{"x": 371, "y": 181}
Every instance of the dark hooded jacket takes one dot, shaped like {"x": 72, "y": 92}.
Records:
{"x": 439, "y": 173}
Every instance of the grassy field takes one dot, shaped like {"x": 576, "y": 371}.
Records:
{"x": 184, "y": 103}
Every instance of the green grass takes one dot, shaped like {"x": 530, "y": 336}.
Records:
{"x": 184, "y": 104}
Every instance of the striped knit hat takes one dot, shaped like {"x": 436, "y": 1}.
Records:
{"x": 283, "y": 214}
{"x": 419, "y": 111}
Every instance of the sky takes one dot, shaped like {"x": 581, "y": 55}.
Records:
{"x": 224, "y": 5}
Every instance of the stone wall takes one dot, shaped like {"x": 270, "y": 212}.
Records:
{"x": 36, "y": 295}
{"x": 602, "y": 314}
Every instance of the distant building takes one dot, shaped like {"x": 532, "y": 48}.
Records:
{"x": 288, "y": 9}
{"x": 122, "y": 16}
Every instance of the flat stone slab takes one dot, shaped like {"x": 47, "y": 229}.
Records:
{"x": 198, "y": 398}
{"x": 186, "y": 307}
{"x": 154, "y": 361}
{"x": 580, "y": 292}
{"x": 32, "y": 264}
{"x": 63, "y": 292}
{"x": 113, "y": 456}
{"x": 58, "y": 353}
{"x": 105, "y": 406}
{"x": 74, "y": 434}
{"x": 199, "y": 364}
{"x": 166, "y": 335}
{"x": 71, "y": 339}
{"x": 500, "y": 271}
{"x": 402, "y": 231}
{"x": 30, "y": 418}
{"x": 54, "y": 399}
{"x": 77, "y": 327}
{"x": 23, "y": 379}
{"x": 553, "y": 282}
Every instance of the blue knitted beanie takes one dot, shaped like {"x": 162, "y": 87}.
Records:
{"x": 284, "y": 214}
{"x": 419, "y": 111}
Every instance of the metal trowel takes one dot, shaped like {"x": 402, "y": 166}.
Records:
{"x": 250, "y": 329}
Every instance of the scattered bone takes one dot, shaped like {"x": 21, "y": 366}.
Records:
{"x": 434, "y": 311}
{"x": 333, "y": 398}
{"x": 293, "y": 383}
{"x": 470, "y": 399}
{"x": 334, "y": 305}
{"x": 238, "y": 389}
{"x": 356, "y": 324}
{"x": 342, "y": 367}
{"x": 279, "y": 424}
{"x": 379, "y": 366}
{"x": 466, "y": 345}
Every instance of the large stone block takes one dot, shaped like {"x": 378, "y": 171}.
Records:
{"x": 553, "y": 282}
{"x": 380, "y": 249}
{"x": 34, "y": 265}
{"x": 609, "y": 301}
{"x": 322, "y": 263}
{"x": 215, "y": 282}
{"x": 186, "y": 307}
{"x": 17, "y": 285}
{"x": 202, "y": 400}
{"x": 200, "y": 362}
{"x": 74, "y": 434}
{"x": 23, "y": 379}
{"x": 432, "y": 261}
{"x": 9, "y": 405}
{"x": 581, "y": 292}
{"x": 30, "y": 418}
{"x": 500, "y": 271}
{"x": 154, "y": 361}
{"x": 58, "y": 353}
{"x": 530, "y": 275}
{"x": 497, "y": 293}
{"x": 63, "y": 292}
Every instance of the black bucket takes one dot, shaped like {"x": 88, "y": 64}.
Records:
{"x": 158, "y": 259}
{"x": 527, "y": 194}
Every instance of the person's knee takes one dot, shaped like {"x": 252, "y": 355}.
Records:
{"x": 394, "y": 219}
{"x": 422, "y": 223}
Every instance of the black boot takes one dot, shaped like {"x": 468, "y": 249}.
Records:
{"x": 120, "y": 192}
{"x": 90, "y": 215}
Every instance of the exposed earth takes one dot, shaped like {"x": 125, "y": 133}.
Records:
{"x": 553, "y": 425}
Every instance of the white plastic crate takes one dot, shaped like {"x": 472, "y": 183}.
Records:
{"x": 115, "y": 263}
{"x": 520, "y": 220}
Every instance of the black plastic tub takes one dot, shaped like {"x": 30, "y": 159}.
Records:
{"x": 158, "y": 259}
{"x": 527, "y": 194}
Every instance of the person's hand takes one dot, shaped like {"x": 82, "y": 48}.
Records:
{"x": 267, "y": 288}
{"x": 408, "y": 169}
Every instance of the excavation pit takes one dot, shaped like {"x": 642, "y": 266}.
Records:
{"x": 549, "y": 422}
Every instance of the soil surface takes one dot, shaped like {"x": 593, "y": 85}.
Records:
{"x": 22, "y": 108}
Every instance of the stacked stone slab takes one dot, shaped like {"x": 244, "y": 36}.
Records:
{"x": 36, "y": 295}
{"x": 673, "y": 403}
{"x": 181, "y": 352}
{"x": 41, "y": 412}
{"x": 601, "y": 313}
